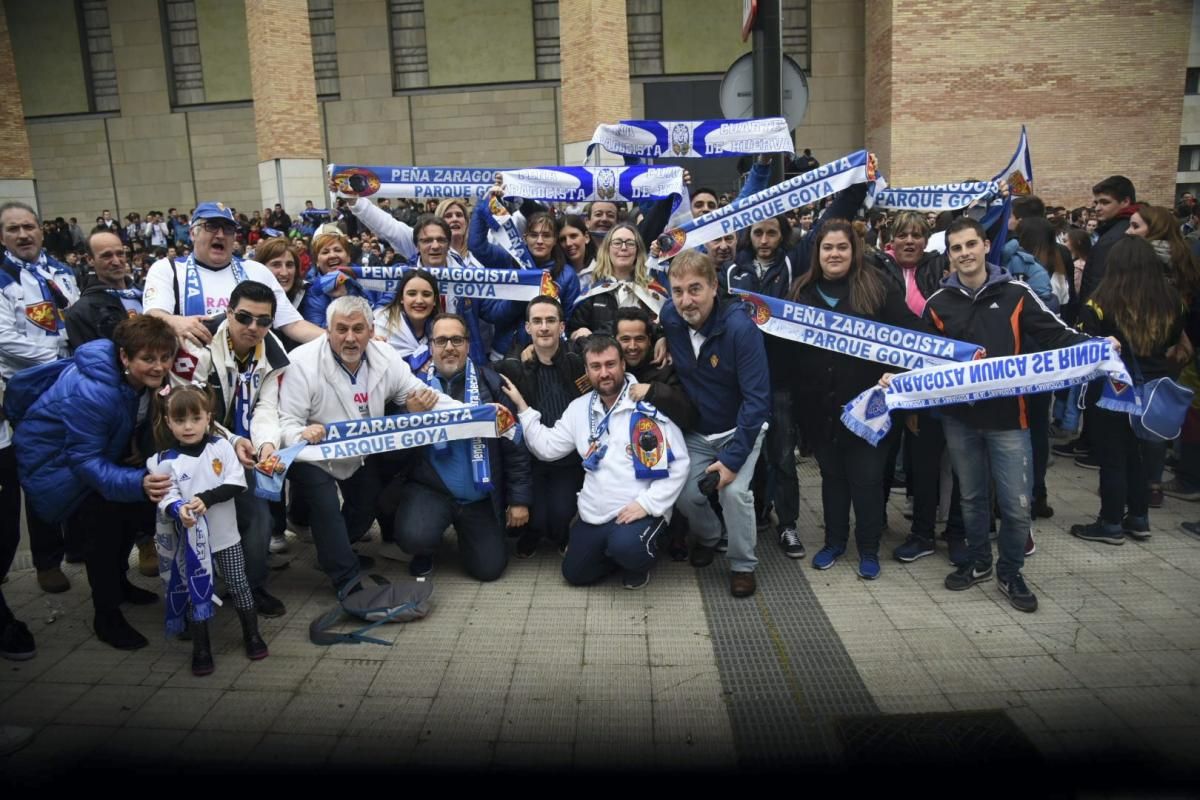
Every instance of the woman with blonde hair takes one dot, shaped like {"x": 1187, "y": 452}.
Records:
{"x": 620, "y": 279}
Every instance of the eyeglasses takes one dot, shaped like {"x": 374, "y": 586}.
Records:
{"x": 622, "y": 244}
{"x": 442, "y": 341}
{"x": 248, "y": 319}
{"x": 540, "y": 235}
{"x": 214, "y": 225}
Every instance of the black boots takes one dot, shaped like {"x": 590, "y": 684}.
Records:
{"x": 112, "y": 628}
{"x": 256, "y": 648}
{"x": 202, "y": 658}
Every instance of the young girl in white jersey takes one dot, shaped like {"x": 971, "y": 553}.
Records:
{"x": 197, "y": 524}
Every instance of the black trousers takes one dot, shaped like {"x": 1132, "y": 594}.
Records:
{"x": 1123, "y": 482}
{"x": 555, "y": 487}
{"x": 10, "y": 520}
{"x": 851, "y": 474}
{"x": 110, "y": 531}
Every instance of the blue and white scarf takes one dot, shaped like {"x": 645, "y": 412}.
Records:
{"x": 358, "y": 438}
{"x": 481, "y": 465}
{"x": 185, "y": 565}
{"x": 711, "y": 138}
{"x": 510, "y": 238}
{"x": 801, "y": 190}
{"x": 426, "y": 183}
{"x": 193, "y": 288}
{"x": 598, "y": 426}
{"x": 868, "y": 414}
{"x": 462, "y": 281}
{"x": 49, "y": 280}
{"x": 589, "y": 184}
{"x": 854, "y": 336}
{"x": 936, "y": 197}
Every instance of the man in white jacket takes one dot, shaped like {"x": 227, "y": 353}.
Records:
{"x": 343, "y": 375}
{"x": 635, "y": 463}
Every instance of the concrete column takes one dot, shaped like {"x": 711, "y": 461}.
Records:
{"x": 16, "y": 160}
{"x": 595, "y": 73}
{"x": 287, "y": 121}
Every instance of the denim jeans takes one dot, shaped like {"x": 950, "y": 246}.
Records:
{"x": 254, "y": 525}
{"x": 1066, "y": 409}
{"x": 335, "y": 526}
{"x": 424, "y": 514}
{"x": 979, "y": 456}
{"x": 737, "y": 502}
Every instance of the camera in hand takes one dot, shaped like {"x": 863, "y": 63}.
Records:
{"x": 708, "y": 484}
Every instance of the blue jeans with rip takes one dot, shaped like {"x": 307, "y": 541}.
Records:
{"x": 980, "y": 456}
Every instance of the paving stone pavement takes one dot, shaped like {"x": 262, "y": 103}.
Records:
{"x": 529, "y": 674}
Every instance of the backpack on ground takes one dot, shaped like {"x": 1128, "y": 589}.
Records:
{"x": 379, "y": 604}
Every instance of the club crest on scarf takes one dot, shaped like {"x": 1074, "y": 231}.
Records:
{"x": 357, "y": 180}
{"x": 760, "y": 312}
{"x": 504, "y": 420}
{"x": 1017, "y": 183}
{"x": 606, "y": 184}
{"x": 681, "y": 140}
{"x": 549, "y": 287}
{"x": 877, "y": 405}
{"x": 44, "y": 314}
{"x": 648, "y": 443}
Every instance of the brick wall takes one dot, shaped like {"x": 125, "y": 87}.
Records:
{"x": 1098, "y": 85}
{"x": 595, "y": 65}
{"x": 281, "y": 77}
{"x": 15, "y": 158}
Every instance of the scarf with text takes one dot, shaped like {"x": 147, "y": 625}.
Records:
{"x": 193, "y": 287}
{"x": 868, "y": 414}
{"x": 478, "y": 282}
{"x": 185, "y": 565}
{"x": 854, "y": 336}
{"x": 589, "y": 184}
{"x": 425, "y": 183}
{"x": 711, "y": 138}
{"x": 358, "y": 438}
{"x": 481, "y": 465}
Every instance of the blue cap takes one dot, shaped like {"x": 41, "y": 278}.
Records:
{"x": 212, "y": 210}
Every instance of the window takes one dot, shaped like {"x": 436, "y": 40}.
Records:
{"x": 545, "y": 40}
{"x": 1189, "y": 158}
{"x": 797, "y": 31}
{"x": 1192, "y": 82}
{"x": 644, "y": 21}
{"x": 183, "y": 53}
{"x": 324, "y": 48}
{"x": 100, "y": 68}
{"x": 410, "y": 57}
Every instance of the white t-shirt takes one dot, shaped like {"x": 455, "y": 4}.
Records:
{"x": 358, "y": 389}
{"x": 217, "y": 285}
{"x": 217, "y": 464}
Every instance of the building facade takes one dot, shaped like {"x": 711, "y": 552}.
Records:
{"x": 143, "y": 104}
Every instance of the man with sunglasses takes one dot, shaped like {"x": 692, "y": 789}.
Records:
{"x": 187, "y": 293}
{"x": 241, "y": 357}
{"x": 479, "y": 486}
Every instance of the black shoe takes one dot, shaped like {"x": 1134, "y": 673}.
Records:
{"x": 1087, "y": 461}
{"x": 1070, "y": 449}
{"x": 763, "y": 518}
{"x": 137, "y": 595}
{"x": 677, "y": 548}
{"x": 914, "y": 547}
{"x": 16, "y": 642}
{"x": 1018, "y": 593}
{"x": 789, "y": 540}
{"x": 527, "y": 545}
{"x": 256, "y": 648}
{"x": 1099, "y": 531}
{"x": 268, "y": 605}
{"x": 112, "y": 629}
{"x": 420, "y": 566}
{"x": 1136, "y": 527}
{"x": 1040, "y": 509}
{"x": 1191, "y": 527}
{"x": 967, "y": 576}
{"x": 701, "y": 556}
{"x": 202, "y": 657}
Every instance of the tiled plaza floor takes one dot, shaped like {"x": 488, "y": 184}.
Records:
{"x": 528, "y": 673}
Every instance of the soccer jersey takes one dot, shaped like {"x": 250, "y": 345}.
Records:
{"x": 216, "y": 464}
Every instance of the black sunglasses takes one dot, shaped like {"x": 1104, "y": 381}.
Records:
{"x": 248, "y": 319}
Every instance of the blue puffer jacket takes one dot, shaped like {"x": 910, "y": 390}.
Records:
{"x": 316, "y": 302}
{"x": 72, "y": 438}
{"x": 1024, "y": 267}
